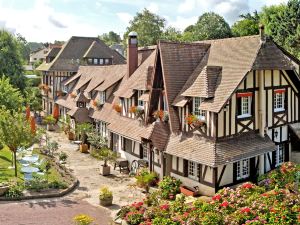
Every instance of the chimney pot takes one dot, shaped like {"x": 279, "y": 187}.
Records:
{"x": 262, "y": 32}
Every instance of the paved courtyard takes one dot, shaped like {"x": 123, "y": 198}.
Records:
{"x": 83, "y": 200}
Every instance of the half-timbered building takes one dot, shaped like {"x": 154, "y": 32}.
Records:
{"x": 211, "y": 113}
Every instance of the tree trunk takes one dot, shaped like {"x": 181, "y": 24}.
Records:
{"x": 15, "y": 161}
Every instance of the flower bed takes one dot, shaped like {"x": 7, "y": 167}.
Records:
{"x": 277, "y": 204}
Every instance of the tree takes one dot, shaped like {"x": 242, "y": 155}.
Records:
{"x": 171, "y": 34}
{"x": 15, "y": 132}
{"x": 10, "y": 97}
{"x": 110, "y": 38}
{"x": 211, "y": 26}
{"x": 24, "y": 48}
{"x": 282, "y": 23}
{"x": 11, "y": 60}
{"x": 149, "y": 27}
{"x": 248, "y": 25}
{"x": 33, "y": 98}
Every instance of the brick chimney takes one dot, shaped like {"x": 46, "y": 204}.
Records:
{"x": 262, "y": 33}
{"x": 132, "y": 53}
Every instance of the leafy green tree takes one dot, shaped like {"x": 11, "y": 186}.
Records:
{"x": 211, "y": 26}
{"x": 24, "y": 48}
{"x": 11, "y": 60}
{"x": 15, "y": 132}
{"x": 33, "y": 98}
{"x": 110, "y": 38}
{"x": 10, "y": 97}
{"x": 171, "y": 34}
{"x": 149, "y": 26}
{"x": 248, "y": 25}
{"x": 282, "y": 23}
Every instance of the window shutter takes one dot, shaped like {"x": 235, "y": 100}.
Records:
{"x": 141, "y": 152}
{"x": 234, "y": 172}
{"x": 286, "y": 152}
{"x": 185, "y": 167}
{"x": 253, "y": 171}
{"x": 274, "y": 158}
{"x": 238, "y": 106}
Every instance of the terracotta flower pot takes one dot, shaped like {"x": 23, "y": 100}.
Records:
{"x": 189, "y": 191}
{"x": 84, "y": 148}
{"x": 71, "y": 136}
{"x": 106, "y": 201}
{"x": 104, "y": 170}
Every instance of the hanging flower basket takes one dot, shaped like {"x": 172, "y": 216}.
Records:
{"x": 133, "y": 109}
{"x": 162, "y": 115}
{"x": 117, "y": 108}
{"x": 194, "y": 121}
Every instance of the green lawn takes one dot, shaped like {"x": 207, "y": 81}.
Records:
{"x": 7, "y": 174}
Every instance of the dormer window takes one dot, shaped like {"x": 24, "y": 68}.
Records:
{"x": 140, "y": 102}
{"x": 279, "y": 96}
{"x": 102, "y": 97}
{"x": 244, "y": 104}
{"x": 196, "y": 108}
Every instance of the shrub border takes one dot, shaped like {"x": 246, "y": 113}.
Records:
{"x": 61, "y": 193}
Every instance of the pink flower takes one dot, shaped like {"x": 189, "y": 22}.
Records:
{"x": 216, "y": 197}
{"x": 246, "y": 210}
{"x": 247, "y": 186}
{"x": 164, "y": 207}
{"x": 225, "y": 204}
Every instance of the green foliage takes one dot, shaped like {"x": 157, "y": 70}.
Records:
{"x": 96, "y": 140}
{"x": 15, "y": 191}
{"x": 106, "y": 155}
{"x": 37, "y": 184}
{"x": 50, "y": 120}
{"x": 63, "y": 156}
{"x": 171, "y": 34}
{"x": 110, "y": 38}
{"x": 52, "y": 147}
{"x": 83, "y": 130}
{"x": 245, "y": 27}
{"x": 169, "y": 187}
{"x": 149, "y": 27}
{"x": 105, "y": 193}
{"x": 145, "y": 178}
{"x": 211, "y": 26}
{"x": 15, "y": 131}
{"x": 57, "y": 185}
{"x": 282, "y": 24}
{"x": 10, "y": 97}
{"x": 11, "y": 60}
{"x": 33, "y": 98}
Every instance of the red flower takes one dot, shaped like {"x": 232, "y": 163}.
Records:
{"x": 217, "y": 198}
{"x": 246, "y": 210}
{"x": 247, "y": 186}
{"x": 225, "y": 204}
{"x": 164, "y": 207}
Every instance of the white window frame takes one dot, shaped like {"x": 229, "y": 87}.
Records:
{"x": 145, "y": 154}
{"x": 245, "y": 107}
{"x": 95, "y": 61}
{"x": 90, "y": 61}
{"x": 196, "y": 111}
{"x": 279, "y": 102}
{"x": 106, "y": 61}
{"x": 140, "y": 102}
{"x": 102, "y": 97}
{"x": 279, "y": 155}
{"x": 243, "y": 169}
{"x": 193, "y": 171}
{"x": 101, "y": 61}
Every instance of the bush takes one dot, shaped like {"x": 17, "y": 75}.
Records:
{"x": 37, "y": 184}
{"x": 145, "y": 178}
{"x": 63, "y": 156}
{"x": 50, "y": 120}
{"x": 105, "y": 193}
{"x": 169, "y": 187}
{"x": 15, "y": 191}
{"x": 57, "y": 185}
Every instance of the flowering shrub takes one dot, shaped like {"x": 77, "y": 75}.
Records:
{"x": 248, "y": 204}
{"x": 194, "y": 121}
{"x": 83, "y": 219}
{"x": 169, "y": 187}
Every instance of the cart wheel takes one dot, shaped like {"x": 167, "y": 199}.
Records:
{"x": 134, "y": 167}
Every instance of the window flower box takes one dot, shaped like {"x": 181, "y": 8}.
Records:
{"x": 117, "y": 108}
{"x": 45, "y": 88}
{"x": 161, "y": 115}
{"x": 189, "y": 191}
{"x": 194, "y": 121}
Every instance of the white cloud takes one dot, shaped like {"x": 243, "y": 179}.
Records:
{"x": 186, "y": 6}
{"x": 182, "y": 22}
{"x": 125, "y": 17}
{"x": 153, "y": 7}
{"x": 43, "y": 23}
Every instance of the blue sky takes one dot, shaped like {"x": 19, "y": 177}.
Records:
{"x": 49, "y": 20}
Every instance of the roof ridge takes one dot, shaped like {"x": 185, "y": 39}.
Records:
{"x": 182, "y": 43}
{"x": 224, "y": 39}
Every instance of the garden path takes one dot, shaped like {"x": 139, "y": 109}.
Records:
{"x": 86, "y": 169}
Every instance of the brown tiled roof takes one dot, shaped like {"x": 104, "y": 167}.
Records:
{"x": 208, "y": 152}
{"x": 160, "y": 135}
{"x": 97, "y": 50}
{"x": 66, "y": 101}
{"x": 144, "y": 97}
{"x": 178, "y": 62}
{"x": 53, "y": 52}
{"x": 295, "y": 128}
{"x": 139, "y": 80}
{"x": 205, "y": 84}
{"x": 81, "y": 115}
{"x": 73, "y": 51}
{"x": 130, "y": 128}
{"x": 81, "y": 98}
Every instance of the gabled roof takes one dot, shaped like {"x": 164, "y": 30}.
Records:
{"x": 53, "y": 52}
{"x": 98, "y": 50}
{"x": 213, "y": 153}
{"x": 81, "y": 98}
{"x": 140, "y": 79}
{"x": 81, "y": 115}
{"x": 178, "y": 61}
{"x": 68, "y": 59}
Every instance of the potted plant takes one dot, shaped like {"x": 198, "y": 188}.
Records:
{"x": 145, "y": 179}
{"x": 50, "y": 121}
{"x": 83, "y": 130}
{"x": 161, "y": 115}
{"x": 106, "y": 155}
{"x": 189, "y": 191}
{"x": 62, "y": 157}
{"x": 96, "y": 141}
{"x": 105, "y": 196}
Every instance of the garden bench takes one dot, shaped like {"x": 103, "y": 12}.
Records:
{"x": 122, "y": 164}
